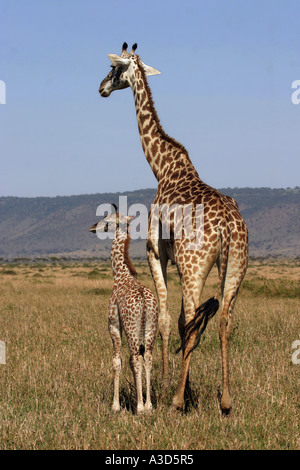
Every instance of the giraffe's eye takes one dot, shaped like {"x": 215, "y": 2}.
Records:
{"x": 106, "y": 227}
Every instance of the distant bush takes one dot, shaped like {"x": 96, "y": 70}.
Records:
{"x": 97, "y": 291}
{"x": 9, "y": 272}
{"x": 272, "y": 287}
{"x": 97, "y": 274}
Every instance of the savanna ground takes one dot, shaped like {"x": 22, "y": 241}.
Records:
{"x": 56, "y": 386}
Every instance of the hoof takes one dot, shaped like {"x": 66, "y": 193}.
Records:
{"x": 140, "y": 410}
{"x": 148, "y": 411}
{"x": 148, "y": 408}
{"x": 115, "y": 409}
{"x": 177, "y": 404}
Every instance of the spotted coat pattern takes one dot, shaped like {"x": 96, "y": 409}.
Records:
{"x": 225, "y": 232}
{"x": 132, "y": 307}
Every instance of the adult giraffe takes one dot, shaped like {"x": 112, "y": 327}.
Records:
{"x": 225, "y": 233}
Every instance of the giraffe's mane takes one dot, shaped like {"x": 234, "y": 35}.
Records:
{"x": 127, "y": 259}
{"x": 154, "y": 112}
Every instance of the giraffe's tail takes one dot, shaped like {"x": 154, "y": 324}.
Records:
{"x": 142, "y": 323}
{"x": 142, "y": 350}
{"x": 202, "y": 315}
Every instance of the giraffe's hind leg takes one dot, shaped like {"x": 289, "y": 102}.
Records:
{"x": 234, "y": 276}
{"x": 148, "y": 369}
{"x": 136, "y": 363}
{"x": 181, "y": 328}
{"x": 224, "y": 334}
{"x": 190, "y": 301}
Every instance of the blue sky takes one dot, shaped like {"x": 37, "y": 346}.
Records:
{"x": 224, "y": 92}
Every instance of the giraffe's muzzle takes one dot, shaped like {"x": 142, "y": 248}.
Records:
{"x": 103, "y": 92}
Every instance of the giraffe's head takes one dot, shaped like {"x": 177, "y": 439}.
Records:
{"x": 111, "y": 223}
{"x": 123, "y": 68}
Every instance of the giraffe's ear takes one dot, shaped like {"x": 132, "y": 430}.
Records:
{"x": 93, "y": 229}
{"x": 150, "y": 70}
{"x": 117, "y": 60}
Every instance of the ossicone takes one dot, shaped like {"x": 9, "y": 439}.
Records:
{"x": 134, "y": 48}
{"x": 125, "y": 46}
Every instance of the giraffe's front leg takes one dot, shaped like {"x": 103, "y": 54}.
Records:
{"x": 158, "y": 269}
{"x": 116, "y": 336}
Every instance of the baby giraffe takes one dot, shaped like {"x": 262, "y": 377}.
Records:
{"x": 133, "y": 307}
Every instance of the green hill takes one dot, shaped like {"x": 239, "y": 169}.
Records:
{"x": 58, "y": 226}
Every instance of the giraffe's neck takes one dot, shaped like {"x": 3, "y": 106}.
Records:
{"x": 160, "y": 149}
{"x": 120, "y": 260}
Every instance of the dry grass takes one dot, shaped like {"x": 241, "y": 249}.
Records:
{"x": 56, "y": 386}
